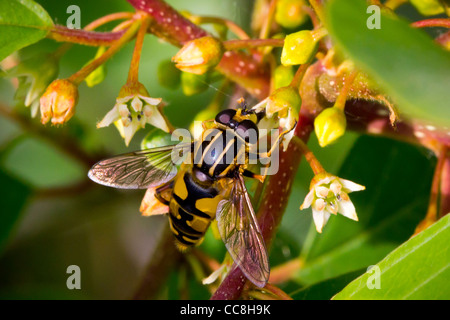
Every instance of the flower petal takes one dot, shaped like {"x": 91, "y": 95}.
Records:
{"x": 308, "y": 200}
{"x": 136, "y": 104}
{"x": 151, "y": 206}
{"x": 151, "y": 101}
{"x": 321, "y": 192}
{"x": 123, "y": 100}
{"x": 157, "y": 120}
{"x": 215, "y": 275}
{"x": 351, "y": 186}
{"x": 320, "y": 219}
{"x": 130, "y": 130}
{"x": 109, "y": 118}
{"x": 34, "y": 108}
{"x": 347, "y": 209}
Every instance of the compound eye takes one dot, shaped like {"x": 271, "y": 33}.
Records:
{"x": 248, "y": 131}
{"x": 224, "y": 117}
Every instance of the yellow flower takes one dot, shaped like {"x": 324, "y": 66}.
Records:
{"x": 329, "y": 195}
{"x": 199, "y": 55}
{"x": 300, "y": 47}
{"x": 58, "y": 102}
{"x": 290, "y": 13}
{"x": 330, "y": 125}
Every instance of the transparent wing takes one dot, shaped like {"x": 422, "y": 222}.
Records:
{"x": 240, "y": 232}
{"x": 141, "y": 169}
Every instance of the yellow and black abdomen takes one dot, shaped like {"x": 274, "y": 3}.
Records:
{"x": 192, "y": 207}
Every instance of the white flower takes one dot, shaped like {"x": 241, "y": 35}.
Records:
{"x": 329, "y": 195}
{"x": 132, "y": 111}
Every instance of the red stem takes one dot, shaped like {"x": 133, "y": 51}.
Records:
{"x": 89, "y": 38}
{"x": 436, "y": 22}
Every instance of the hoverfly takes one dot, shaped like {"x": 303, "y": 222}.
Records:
{"x": 210, "y": 187}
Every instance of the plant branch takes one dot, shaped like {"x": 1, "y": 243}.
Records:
{"x": 243, "y": 68}
{"x": 88, "y": 38}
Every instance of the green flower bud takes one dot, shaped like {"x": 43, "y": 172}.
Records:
{"x": 283, "y": 76}
{"x": 283, "y": 99}
{"x": 300, "y": 47}
{"x": 428, "y": 7}
{"x": 329, "y": 125}
{"x": 168, "y": 75}
{"x": 199, "y": 55}
{"x": 290, "y": 14}
{"x": 193, "y": 83}
{"x": 157, "y": 138}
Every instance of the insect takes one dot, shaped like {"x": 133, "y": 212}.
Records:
{"x": 210, "y": 187}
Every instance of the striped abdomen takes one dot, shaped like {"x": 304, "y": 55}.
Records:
{"x": 192, "y": 207}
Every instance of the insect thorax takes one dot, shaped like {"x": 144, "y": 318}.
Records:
{"x": 220, "y": 153}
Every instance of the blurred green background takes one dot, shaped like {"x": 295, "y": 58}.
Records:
{"x": 100, "y": 229}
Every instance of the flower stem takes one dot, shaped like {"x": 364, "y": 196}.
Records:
{"x": 318, "y": 8}
{"x": 134, "y": 67}
{"x": 265, "y": 30}
{"x": 432, "y": 213}
{"x": 299, "y": 74}
{"x": 80, "y": 75}
{"x": 233, "y": 27}
{"x": 315, "y": 165}
{"x": 342, "y": 98}
{"x": 252, "y": 43}
{"x": 108, "y": 18}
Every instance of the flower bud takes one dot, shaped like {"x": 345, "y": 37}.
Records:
{"x": 428, "y": 7}
{"x": 194, "y": 83}
{"x": 300, "y": 47}
{"x": 168, "y": 75}
{"x": 58, "y": 102}
{"x": 156, "y": 138}
{"x": 290, "y": 14}
{"x": 199, "y": 55}
{"x": 283, "y": 99}
{"x": 329, "y": 125}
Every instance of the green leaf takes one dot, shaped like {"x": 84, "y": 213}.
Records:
{"x": 22, "y": 23}
{"x": 404, "y": 61}
{"x": 418, "y": 270}
{"x": 325, "y": 290}
{"x": 394, "y": 201}
{"x": 13, "y": 197}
